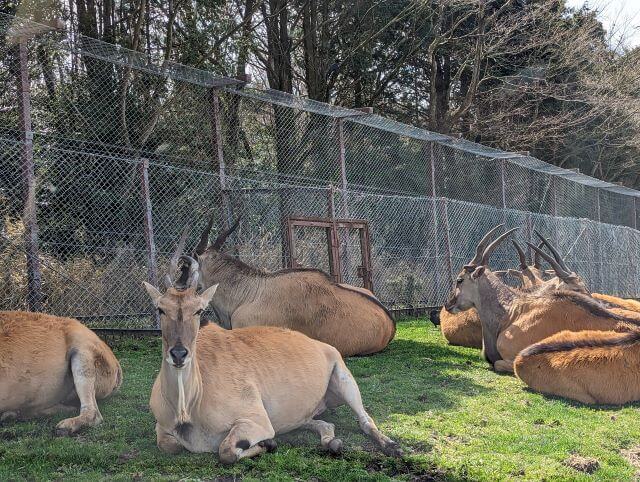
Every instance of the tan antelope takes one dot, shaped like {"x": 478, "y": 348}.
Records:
{"x": 348, "y": 318}
{"x": 588, "y": 366}
{"x": 232, "y": 391}
{"x": 461, "y": 329}
{"x": 513, "y": 320}
{"x": 51, "y": 365}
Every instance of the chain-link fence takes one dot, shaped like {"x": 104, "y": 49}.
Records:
{"x": 105, "y": 154}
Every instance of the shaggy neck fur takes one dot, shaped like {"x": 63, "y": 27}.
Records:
{"x": 181, "y": 388}
{"x": 493, "y": 303}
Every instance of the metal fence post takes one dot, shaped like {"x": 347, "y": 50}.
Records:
{"x": 343, "y": 166}
{"x": 343, "y": 238}
{"x": 449, "y": 255}
{"x": 23, "y": 91}
{"x": 434, "y": 203}
{"x": 145, "y": 193}
{"x": 635, "y": 213}
{"x": 503, "y": 182}
{"x": 216, "y": 127}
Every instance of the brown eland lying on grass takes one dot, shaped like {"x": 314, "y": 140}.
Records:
{"x": 464, "y": 328}
{"x": 513, "y": 320}
{"x": 587, "y": 366}
{"x": 348, "y": 318}
{"x": 461, "y": 329}
{"x": 232, "y": 391}
{"x": 51, "y": 365}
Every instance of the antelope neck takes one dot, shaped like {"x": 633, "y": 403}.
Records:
{"x": 181, "y": 388}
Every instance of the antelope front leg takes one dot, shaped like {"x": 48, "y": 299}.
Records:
{"x": 247, "y": 438}
{"x": 84, "y": 379}
{"x": 167, "y": 442}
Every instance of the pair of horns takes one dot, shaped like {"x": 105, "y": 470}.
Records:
{"x": 484, "y": 251}
{"x": 523, "y": 257}
{"x": 189, "y": 270}
{"x": 203, "y": 245}
{"x": 556, "y": 262}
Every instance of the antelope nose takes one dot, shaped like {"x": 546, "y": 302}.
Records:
{"x": 178, "y": 354}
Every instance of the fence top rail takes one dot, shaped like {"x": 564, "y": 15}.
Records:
{"x": 116, "y": 54}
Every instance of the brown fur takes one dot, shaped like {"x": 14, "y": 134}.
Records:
{"x": 514, "y": 319}
{"x": 534, "y": 318}
{"x": 588, "y": 366}
{"x": 50, "y": 364}
{"x": 627, "y": 304}
{"x": 244, "y": 386}
{"x": 349, "y": 318}
{"x": 462, "y": 329}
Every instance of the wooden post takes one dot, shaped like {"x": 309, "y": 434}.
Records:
{"x": 145, "y": 194}
{"x": 23, "y": 91}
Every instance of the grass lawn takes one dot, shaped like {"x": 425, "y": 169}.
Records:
{"x": 455, "y": 419}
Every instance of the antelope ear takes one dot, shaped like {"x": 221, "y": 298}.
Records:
{"x": 207, "y": 295}
{"x": 153, "y": 293}
{"x": 479, "y": 271}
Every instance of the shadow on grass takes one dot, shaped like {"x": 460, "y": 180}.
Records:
{"x": 411, "y": 377}
{"x": 576, "y": 404}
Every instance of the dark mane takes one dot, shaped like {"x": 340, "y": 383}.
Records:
{"x": 591, "y": 305}
{"x": 624, "y": 339}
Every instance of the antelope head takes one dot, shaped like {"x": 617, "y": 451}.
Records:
{"x": 180, "y": 308}
{"x": 477, "y": 287}
{"x": 465, "y": 292}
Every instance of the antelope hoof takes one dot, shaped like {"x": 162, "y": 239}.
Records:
{"x": 269, "y": 444}
{"x": 63, "y": 431}
{"x": 335, "y": 446}
{"x": 392, "y": 449}
{"x": 228, "y": 457}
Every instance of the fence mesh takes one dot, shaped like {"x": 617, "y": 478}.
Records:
{"x": 126, "y": 150}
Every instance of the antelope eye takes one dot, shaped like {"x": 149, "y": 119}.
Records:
{"x": 198, "y": 313}
{"x": 160, "y": 311}
{"x": 459, "y": 280}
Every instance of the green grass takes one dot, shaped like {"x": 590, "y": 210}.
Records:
{"x": 454, "y": 417}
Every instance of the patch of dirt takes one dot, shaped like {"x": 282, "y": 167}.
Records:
{"x": 588, "y": 465}
{"x": 632, "y": 455}
{"x": 408, "y": 468}
{"x": 124, "y": 457}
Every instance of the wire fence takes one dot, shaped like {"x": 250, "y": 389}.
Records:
{"x": 105, "y": 154}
